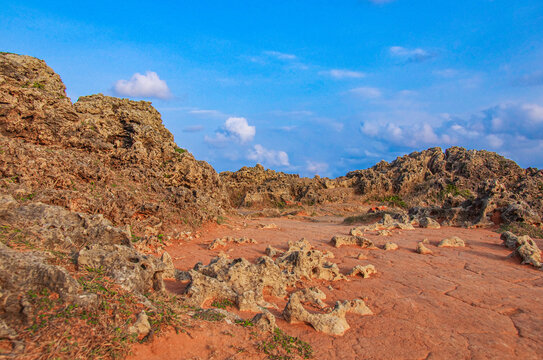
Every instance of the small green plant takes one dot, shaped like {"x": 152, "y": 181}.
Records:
{"x": 180, "y": 150}
{"x": 208, "y": 315}
{"x": 282, "y": 346}
{"x": 454, "y": 191}
{"x": 394, "y": 200}
{"x": 245, "y": 323}
{"x": 38, "y": 85}
{"x": 222, "y": 304}
{"x": 221, "y": 220}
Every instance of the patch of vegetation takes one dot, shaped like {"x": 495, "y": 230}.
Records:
{"x": 245, "y": 323}
{"x": 281, "y": 346}
{"x": 454, "y": 191}
{"x": 221, "y": 220}
{"x": 208, "y": 315}
{"x": 64, "y": 330}
{"x": 222, "y": 304}
{"x": 393, "y": 200}
{"x": 521, "y": 228}
{"x": 38, "y": 85}
{"x": 14, "y": 238}
{"x": 180, "y": 150}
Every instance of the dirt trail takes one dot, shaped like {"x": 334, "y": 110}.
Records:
{"x": 458, "y": 303}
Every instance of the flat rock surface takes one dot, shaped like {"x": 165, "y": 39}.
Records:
{"x": 458, "y": 303}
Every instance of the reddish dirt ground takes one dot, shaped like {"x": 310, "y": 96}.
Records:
{"x": 458, "y": 303}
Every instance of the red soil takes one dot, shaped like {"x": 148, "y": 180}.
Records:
{"x": 460, "y": 303}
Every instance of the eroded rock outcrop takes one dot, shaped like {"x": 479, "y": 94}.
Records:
{"x": 386, "y": 223}
{"x": 131, "y": 269}
{"x": 523, "y": 247}
{"x": 220, "y": 242}
{"x": 453, "y": 241}
{"x": 364, "y": 271}
{"x": 333, "y": 322}
{"x": 348, "y": 240}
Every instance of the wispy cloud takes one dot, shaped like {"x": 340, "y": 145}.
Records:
{"x": 411, "y": 55}
{"x": 366, "y": 92}
{"x": 280, "y": 55}
{"x": 343, "y": 74}
{"x": 146, "y": 86}
{"x": 193, "y": 128}
{"x": 268, "y": 157}
{"x": 532, "y": 79}
{"x": 381, "y": 1}
{"x": 315, "y": 167}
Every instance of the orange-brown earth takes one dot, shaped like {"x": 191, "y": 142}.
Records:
{"x": 458, "y": 303}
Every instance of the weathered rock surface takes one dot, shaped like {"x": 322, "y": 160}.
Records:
{"x": 390, "y": 246}
{"x": 57, "y": 227}
{"x": 333, "y": 323}
{"x": 303, "y": 261}
{"x": 132, "y": 270}
{"x": 453, "y": 241}
{"x": 23, "y": 272}
{"x": 101, "y": 155}
{"x": 524, "y": 248}
{"x": 427, "y": 222}
{"x": 423, "y": 250}
{"x": 141, "y": 326}
{"x": 386, "y": 223}
{"x": 347, "y": 240}
{"x": 264, "y": 321}
{"x": 364, "y": 271}
{"x": 220, "y": 242}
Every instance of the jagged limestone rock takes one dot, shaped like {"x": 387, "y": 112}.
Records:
{"x": 389, "y": 246}
{"x": 272, "y": 252}
{"x": 346, "y": 240}
{"x": 364, "y": 271}
{"x": 131, "y": 269}
{"x": 264, "y": 321}
{"x": 523, "y": 247}
{"x": 237, "y": 280}
{"x": 170, "y": 271}
{"x": 230, "y": 240}
{"x": 302, "y": 260}
{"x": 421, "y": 249}
{"x": 453, "y": 241}
{"x": 386, "y": 223}
{"x": 141, "y": 326}
{"x": 429, "y": 223}
{"x": 333, "y": 322}
{"x": 56, "y": 227}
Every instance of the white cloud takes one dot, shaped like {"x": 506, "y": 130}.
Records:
{"x": 239, "y": 128}
{"x": 234, "y": 129}
{"x": 411, "y": 55}
{"x": 343, "y": 74}
{"x": 316, "y": 168}
{"x": 268, "y": 157}
{"x": 280, "y": 56}
{"x": 147, "y": 86}
{"x": 367, "y": 92}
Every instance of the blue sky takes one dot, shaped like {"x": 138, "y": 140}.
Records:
{"x": 306, "y": 86}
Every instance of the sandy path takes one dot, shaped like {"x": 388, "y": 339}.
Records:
{"x": 469, "y": 303}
